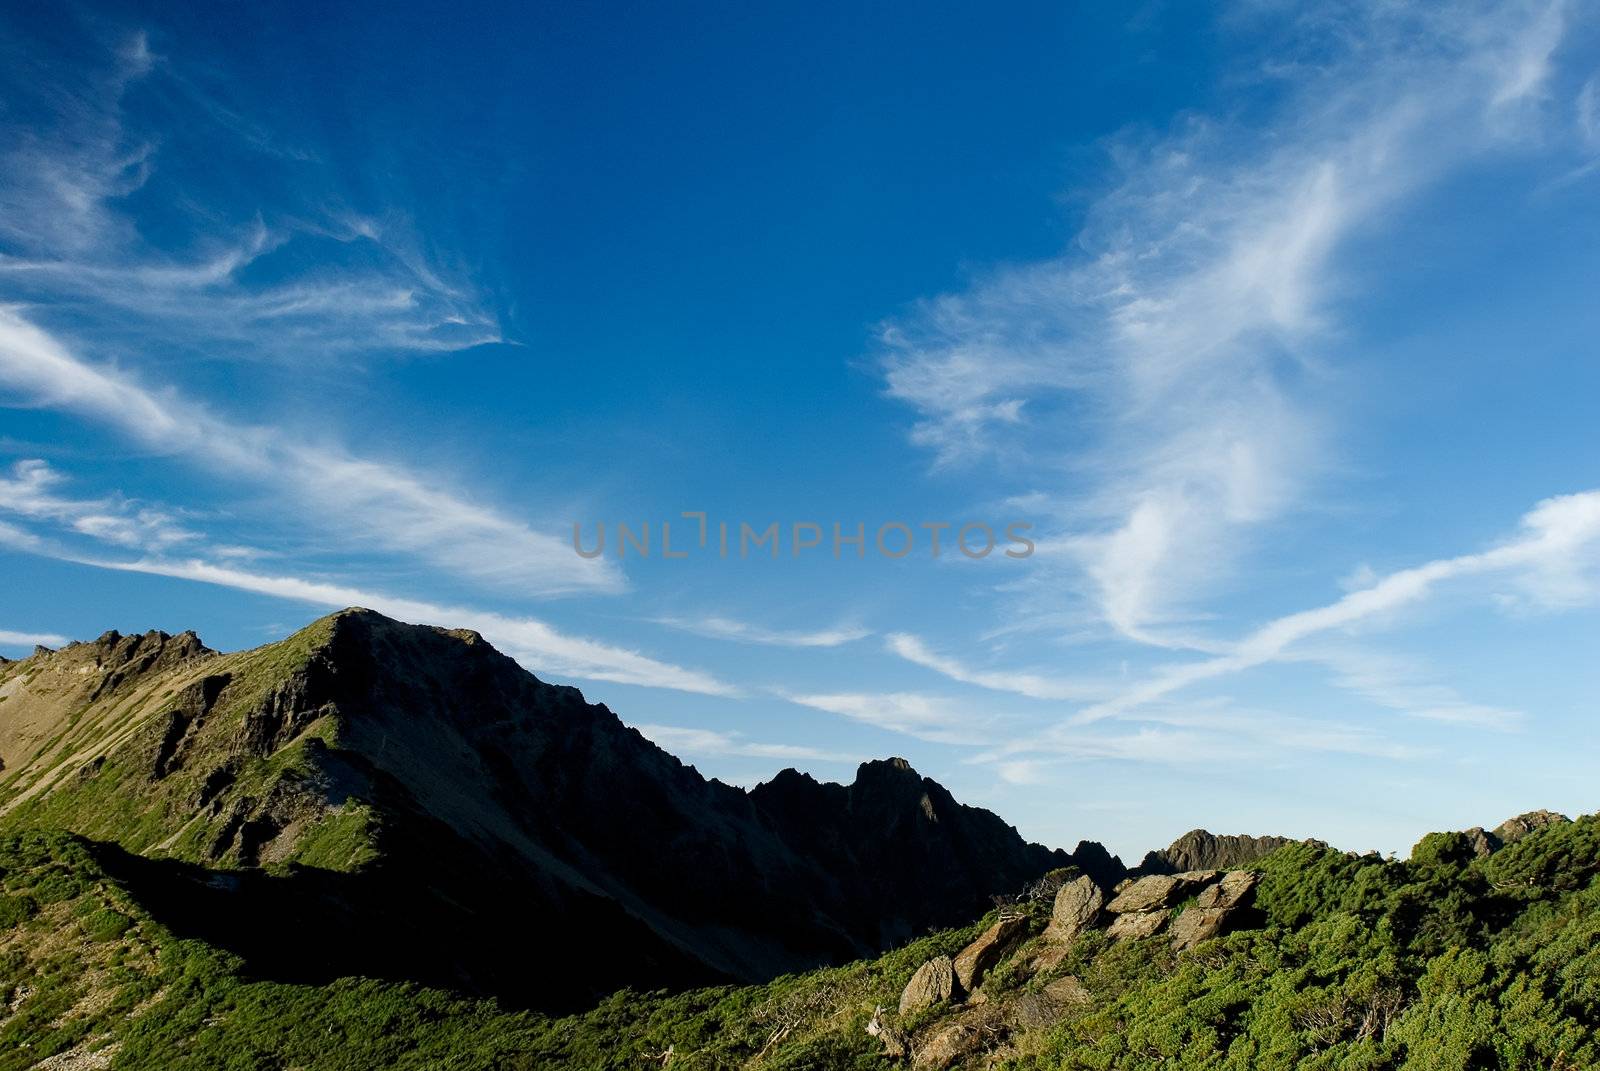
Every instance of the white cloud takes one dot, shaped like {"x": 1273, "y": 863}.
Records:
{"x": 726, "y": 628}
{"x": 538, "y": 646}
{"x": 64, "y": 183}
{"x": 9, "y": 638}
{"x": 381, "y": 505}
{"x": 686, "y": 741}
{"x": 933, "y": 718}
{"x": 18, "y": 539}
{"x": 1171, "y": 364}
{"x": 1587, "y": 114}
{"x": 1031, "y": 685}
{"x": 1554, "y": 557}
{"x": 1198, "y": 735}
{"x": 1390, "y": 681}
{"x": 30, "y": 493}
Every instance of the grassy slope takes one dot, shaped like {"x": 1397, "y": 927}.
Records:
{"x": 1441, "y": 962}
{"x": 92, "y": 773}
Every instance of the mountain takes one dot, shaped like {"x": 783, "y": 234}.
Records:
{"x": 324, "y": 853}
{"x": 304, "y": 803}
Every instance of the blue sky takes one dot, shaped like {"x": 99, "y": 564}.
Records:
{"x": 1279, "y": 329}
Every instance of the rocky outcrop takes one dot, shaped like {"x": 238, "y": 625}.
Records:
{"x": 1077, "y": 906}
{"x": 1091, "y": 858}
{"x": 1159, "y": 890}
{"x": 973, "y": 961}
{"x": 1514, "y": 829}
{"x": 1202, "y": 850}
{"x": 1233, "y": 890}
{"x": 1145, "y": 906}
{"x": 1067, "y": 990}
{"x": 934, "y": 982}
{"x": 1137, "y": 924}
{"x": 1196, "y": 924}
{"x": 1484, "y": 842}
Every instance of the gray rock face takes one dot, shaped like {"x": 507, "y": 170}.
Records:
{"x": 1159, "y": 890}
{"x": 974, "y": 960}
{"x": 1144, "y": 908}
{"x": 1197, "y": 924}
{"x": 1144, "y": 894}
{"x": 1137, "y": 924}
{"x": 935, "y": 981}
{"x": 1077, "y": 905}
{"x": 1232, "y": 891}
{"x": 1514, "y": 829}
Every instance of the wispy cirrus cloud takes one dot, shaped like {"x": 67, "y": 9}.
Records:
{"x": 937, "y": 719}
{"x": 1172, "y": 364}
{"x": 33, "y": 491}
{"x": 287, "y": 275}
{"x": 1557, "y": 544}
{"x": 1030, "y": 685}
{"x": 91, "y": 291}
{"x": 726, "y": 628}
{"x": 1395, "y": 683}
{"x": 538, "y": 646}
{"x": 1202, "y": 735}
{"x": 377, "y": 504}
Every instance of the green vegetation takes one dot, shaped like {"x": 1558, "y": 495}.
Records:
{"x": 1442, "y": 962}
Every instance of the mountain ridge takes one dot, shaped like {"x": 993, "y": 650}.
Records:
{"x": 422, "y": 756}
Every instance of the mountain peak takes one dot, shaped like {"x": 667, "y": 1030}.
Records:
{"x": 890, "y": 769}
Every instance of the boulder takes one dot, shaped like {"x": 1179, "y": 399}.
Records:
{"x": 1077, "y": 905}
{"x": 974, "y": 960}
{"x": 1144, "y": 894}
{"x": 1159, "y": 890}
{"x": 1232, "y": 891}
{"x": 935, "y": 981}
{"x": 1137, "y": 924}
{"x": 1197, "y": 924}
